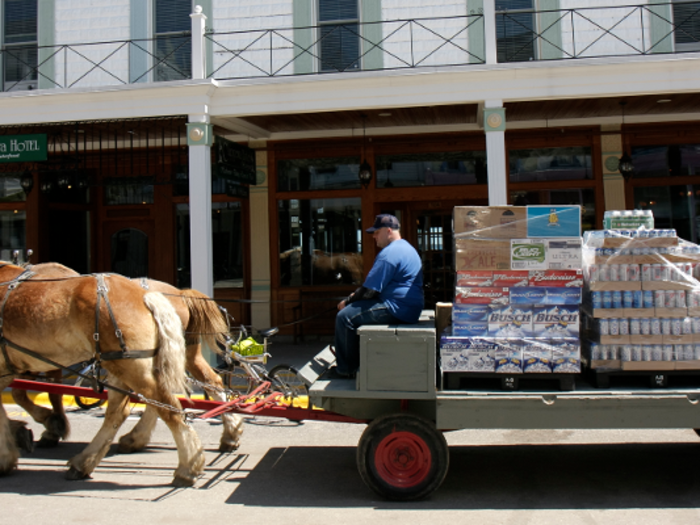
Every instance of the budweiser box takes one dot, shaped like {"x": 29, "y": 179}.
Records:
{"x": 490, "y": 222}
{"x": 481, "y": 254}
{"x": 555, "y": 321}
{"x": 556, "y": 278}
{"x": 470, "y": 329}
{"x": 495, "y": 278}
{"x": 539, "y": 295}
{"x": 481, "y": 295}
{"x": 466, "y": 354}
{"x": 510, "y": 321}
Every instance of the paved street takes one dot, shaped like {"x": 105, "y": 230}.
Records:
{"x": 305, "y": 473}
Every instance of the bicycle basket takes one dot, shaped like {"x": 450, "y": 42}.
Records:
{"x": 248, "y": 347}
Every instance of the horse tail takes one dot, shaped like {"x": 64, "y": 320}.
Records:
{"x": 206, "y": 320}
{"x": 170, "y": 359}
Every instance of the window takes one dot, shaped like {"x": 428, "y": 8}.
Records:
{"x": 227, "y": 236}
{"x": 12, "y": 233}
{"x": 320, "y": 242}
{"x": 686, "y": 19}
{"x": 21, "y": 44}
{"x": 550, "y": 164}
{"x": 515, "y": 30}
{"x": 173, "y": 48}
{"x": 339, "y": 35}
{"x": 431, "y": 169}
{"x": 675, "y": 207}
{"x": 666, "y": 161}
{"x": 318, "y": 174}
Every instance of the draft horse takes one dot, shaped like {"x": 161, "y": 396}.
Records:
{"x": 201, "y": 321}
{"x": 137, "y": 335}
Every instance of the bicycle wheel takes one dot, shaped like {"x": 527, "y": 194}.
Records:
{"x": 237, "y": 380}
{"x": 287, "y": 379}
{"x": 90, "y": 402}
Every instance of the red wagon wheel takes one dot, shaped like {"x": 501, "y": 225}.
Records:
{"x": 402, "y": 457}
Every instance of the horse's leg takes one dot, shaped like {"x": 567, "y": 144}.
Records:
{"x": 200, "y": 369}
{"x": 140, "y": 435}
{"x": 82, "y": 465}
{"x": 9, "y": 453}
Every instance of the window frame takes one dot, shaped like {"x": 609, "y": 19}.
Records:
{"x": 338, "y": 22}
{"x": 166, "y": 35}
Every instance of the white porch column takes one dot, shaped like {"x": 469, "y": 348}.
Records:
{"x": 199, "y": 140}
{"x": 492, "y": 116}
{"x": 490, "y": 51}
{"x": 198, "y": 55}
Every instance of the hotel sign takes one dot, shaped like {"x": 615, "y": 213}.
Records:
{"x": 22, "y": 148}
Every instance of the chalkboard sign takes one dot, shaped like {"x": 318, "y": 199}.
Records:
{"x": 233, "y": 161}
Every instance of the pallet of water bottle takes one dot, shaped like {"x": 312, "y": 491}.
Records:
{"x": 651, "y": 374}
{"x": 485, "y": 381}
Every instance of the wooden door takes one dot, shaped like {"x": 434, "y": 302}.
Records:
{"x": 128, "y": 248}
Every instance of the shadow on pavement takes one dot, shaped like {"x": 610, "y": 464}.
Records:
{"x": 514, "y": 477}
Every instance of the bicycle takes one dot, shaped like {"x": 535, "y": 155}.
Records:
{"x": 88, "y": 369}
{"x": 243, "y": 369}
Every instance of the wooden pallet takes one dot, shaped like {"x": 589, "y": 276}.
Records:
{"x": 654, "y": 379}
{"x": 494, "y": 381}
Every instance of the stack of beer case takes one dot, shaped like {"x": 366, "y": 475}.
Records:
{"x": 518, "y": 290}
{"x": 642, "y": 296}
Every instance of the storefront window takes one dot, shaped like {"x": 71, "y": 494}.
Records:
{"x": 431, "y": 169}
{"x": 549, "y": 164}
{"x": 128, "y": 190}
{"x": 339, "y": 173}
{"x": 227, "y": 240}
{"x": 10, "y": 189}
{"x": 320, "y": 242}
{"x": 666, "y": 161}
{"x": 583, "y": 197}
{"x": 673, "y": 207}
{"x": 12, "y": 233}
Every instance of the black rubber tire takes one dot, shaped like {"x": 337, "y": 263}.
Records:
{"x": 288, "y": 378}
{"x": 402, "y": 457}
{"x": 86, "y": 403}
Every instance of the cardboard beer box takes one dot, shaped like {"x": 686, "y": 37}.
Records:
{"x": 565, "y": 296}
{"x": 537, "y": 356}
{"x": 566, "y": 356}
{"x": 470, "y": 329}
{"x": 556, "y": 278}
{"x": 479, "y": 295}
{"x": 490, "y": 222}
{"x": 510, "y": 321}
{"x": 509, "y": 356}
{"x": 469, "y": 313}
{"x": 511, "y": 278}
{"x": 482, "y": 254}
{"x": 533, "y": 295}
{"x": 479, "y": 278}
{"x": 553, "y": 221}
{"x": 555, "y": 321}
{"x": 564, "y": 254}
{"x": 466, "y": 354}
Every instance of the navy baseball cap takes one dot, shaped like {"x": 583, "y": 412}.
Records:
{"x": 384, "y": 221}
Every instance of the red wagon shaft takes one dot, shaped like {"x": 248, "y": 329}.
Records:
{"x": 211, "y": 408}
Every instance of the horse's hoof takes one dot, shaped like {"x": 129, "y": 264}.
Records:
{"x": 228, "y": 447}
{"x": 24, "y": 438}
{"x": 45, "y": 442}
{"x": 181, "y": 482}
{"x": 73, "y": 474}
{"x": 7, "y": 469}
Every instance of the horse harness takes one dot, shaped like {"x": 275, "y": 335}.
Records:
{"x": 102, "y": 295}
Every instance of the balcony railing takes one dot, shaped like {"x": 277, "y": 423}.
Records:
{"x": 373, "y": 46}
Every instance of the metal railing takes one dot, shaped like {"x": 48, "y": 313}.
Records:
{"x": 584, "y": 32}
{"x": 592, "y": 32}
{"x": 396, "y": 44}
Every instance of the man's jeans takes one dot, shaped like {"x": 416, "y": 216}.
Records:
{"x": 348, "y": 320}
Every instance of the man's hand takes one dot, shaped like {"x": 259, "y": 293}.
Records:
{"x": 341, "y": 305}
